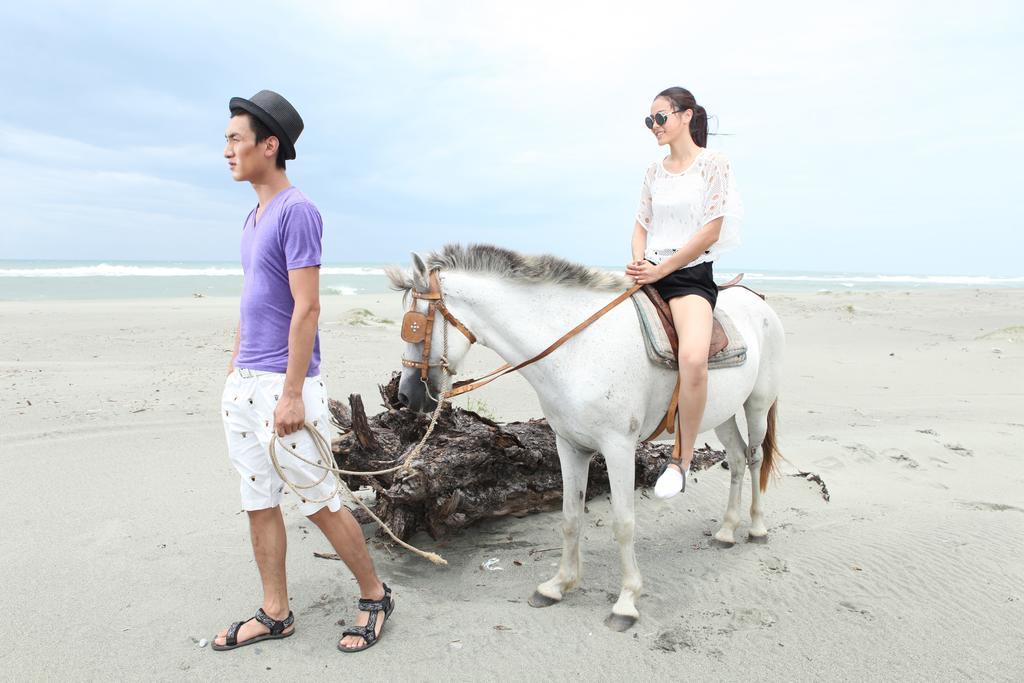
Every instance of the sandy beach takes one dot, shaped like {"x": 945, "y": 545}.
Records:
{"x": 123, "y": 543}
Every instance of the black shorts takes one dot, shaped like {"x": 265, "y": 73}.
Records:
{"x": 698, "y": 279}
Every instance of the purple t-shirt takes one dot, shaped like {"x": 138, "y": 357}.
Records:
{"x": 287, "y": 237}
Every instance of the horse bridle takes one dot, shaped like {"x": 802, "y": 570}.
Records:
{"x": 419, "y": 327}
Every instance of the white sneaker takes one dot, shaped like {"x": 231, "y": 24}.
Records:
{"x": 670, "y": 483}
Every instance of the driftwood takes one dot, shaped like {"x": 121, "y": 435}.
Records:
{"x": 471, "y": 468}
{"x": 812, "y": 477}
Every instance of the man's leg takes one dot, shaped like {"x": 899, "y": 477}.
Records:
{"x": 346, "y": 536}
{"x": 245, "y": 411}
{"x": 269, "y": 546}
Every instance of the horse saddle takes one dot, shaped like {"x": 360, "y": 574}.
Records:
{"x": 728, "y": 349}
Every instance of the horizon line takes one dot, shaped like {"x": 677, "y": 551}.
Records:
{"x": 750, "y": 270}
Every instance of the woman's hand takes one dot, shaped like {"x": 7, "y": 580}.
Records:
{"x": 643, "y": 272}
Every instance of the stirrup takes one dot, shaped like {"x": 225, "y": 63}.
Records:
{"x": 670, "y": 482}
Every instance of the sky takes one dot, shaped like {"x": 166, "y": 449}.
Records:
{"x": 868, "y": 137}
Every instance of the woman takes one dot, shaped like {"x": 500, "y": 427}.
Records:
{"x": 689, "y": 214}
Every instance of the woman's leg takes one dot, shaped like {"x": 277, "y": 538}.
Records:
{"x": 693, "y": 319}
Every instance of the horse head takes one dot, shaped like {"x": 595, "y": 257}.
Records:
{"x": 433, "y": 349}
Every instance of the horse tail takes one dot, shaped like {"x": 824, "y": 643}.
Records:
{"x": 769, "y": 449}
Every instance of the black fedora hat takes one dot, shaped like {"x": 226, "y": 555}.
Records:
{"x": 276, "y": 113}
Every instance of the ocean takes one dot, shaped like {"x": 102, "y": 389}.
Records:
{"x": 34, "y": 280}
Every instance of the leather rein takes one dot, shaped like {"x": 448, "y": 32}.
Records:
{"x": 418, "y": 328}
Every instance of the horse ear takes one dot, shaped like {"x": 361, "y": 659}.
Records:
{"x": 420, "y": 277}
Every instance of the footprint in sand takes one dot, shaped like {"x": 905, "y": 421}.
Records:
{"x": 861, "y": 449}
{"x": 822, "y": 437}
{"x": 989, "y": 507}
{"x": 363, "y": 317}
{"x": 327, "y": 604}
{"x": 774, "y": 565}
{"x": 672, "y": 640}
{"x": 745, "y": 618}
{"x": 929, "y": 432}
{"x": 830, "y": 462}
{"x": 850, "y": 607}
{"x": 901, "y": 456}
{"x": 959, "y": 450}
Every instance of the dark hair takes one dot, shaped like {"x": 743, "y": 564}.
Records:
{"x": 683, "y": 99}
{"x": 262, "y": 133}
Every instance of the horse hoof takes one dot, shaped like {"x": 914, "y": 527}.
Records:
{"x": 760, "y": 540}
{"x": 619, "y": 622}
{"x": 538, "y": 599}
{"x": 722, "y": 544}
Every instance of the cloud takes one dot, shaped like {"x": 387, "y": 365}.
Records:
{"x": 859, "y": 132}
{"x": 64, "y": 152}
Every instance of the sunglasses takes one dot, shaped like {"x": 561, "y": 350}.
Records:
{"x": 660, "y": 118}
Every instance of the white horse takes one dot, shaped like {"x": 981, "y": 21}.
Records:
{"x": 599, "y": 392}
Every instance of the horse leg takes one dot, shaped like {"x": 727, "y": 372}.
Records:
{"x": 621, "y": 476}
{"x": 757, "y": 427}
{"x": 735, "y": 452}
{"x": 575, "y": 465}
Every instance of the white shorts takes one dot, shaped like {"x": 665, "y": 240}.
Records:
{"x": 247, "y": 408}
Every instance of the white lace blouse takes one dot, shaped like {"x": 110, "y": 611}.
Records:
{"x": 675, "y": 206}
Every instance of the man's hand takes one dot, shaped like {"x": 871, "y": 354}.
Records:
{"x": 289, "y": 415}
{"x": 644, "y": 272}
{"x": 234, "y": 350}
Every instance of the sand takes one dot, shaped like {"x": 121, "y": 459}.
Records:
{"x": 123, "y": 544}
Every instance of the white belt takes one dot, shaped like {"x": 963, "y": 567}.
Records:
{"x": 661, "y": 254}
{"x": 249, "y": 374}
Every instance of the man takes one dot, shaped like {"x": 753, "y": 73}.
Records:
{"x": 274, "y": 385}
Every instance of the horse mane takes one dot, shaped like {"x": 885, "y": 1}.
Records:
{"x": 511, "y": 265}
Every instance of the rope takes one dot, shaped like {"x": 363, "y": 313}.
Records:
{"x": 324, "y": 449}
